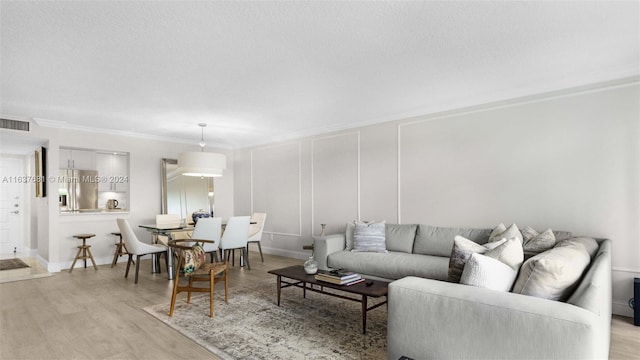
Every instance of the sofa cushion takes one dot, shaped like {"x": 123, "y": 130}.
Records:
{"x": 595, "y": 286}
{"x": 590, "y": 245}
{"x": 400, "y": 237}
{"x": 461, "y": 252}
{"x": 502, "y": 232}
{"x": 438, "y": 241}
{"x": 369, "y": 237}
{"x": 392, "y": 265}
{"x": 553, "y": 274}
{"x": 486, "y": 272}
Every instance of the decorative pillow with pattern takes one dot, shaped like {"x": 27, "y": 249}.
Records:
{"x": 461, "y": 252}
{"x": 537, "y": 242}
{"x": 192, "y": 259}
{"x": 502, "y": 232}
{"x": 369, "y": 237}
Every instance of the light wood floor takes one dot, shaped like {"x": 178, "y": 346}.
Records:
{"x": 92, "y": 314}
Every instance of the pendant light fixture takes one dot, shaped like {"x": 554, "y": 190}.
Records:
{"x": 202, "y": 163}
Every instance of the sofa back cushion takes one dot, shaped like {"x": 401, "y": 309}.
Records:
{"x": 438, "y": 241}
{"x": 400, "y": 237}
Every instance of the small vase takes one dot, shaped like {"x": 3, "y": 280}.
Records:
{"x": 199, "y": 214}
{"x": 310, "y": 266}
{"x": 322, "y": 232}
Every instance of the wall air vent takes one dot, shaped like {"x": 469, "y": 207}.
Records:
{"x": 14, "y": 125}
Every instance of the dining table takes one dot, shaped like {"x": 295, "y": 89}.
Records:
{"x": 168, "y": 231}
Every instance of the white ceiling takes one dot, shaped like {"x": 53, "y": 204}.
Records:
{"x": 263, "y": 71}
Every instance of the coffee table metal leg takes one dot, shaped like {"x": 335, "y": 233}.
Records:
{"x": 364, "y": 314}
{"x": 304, "y": 290}
{"x": 279, "y": 289}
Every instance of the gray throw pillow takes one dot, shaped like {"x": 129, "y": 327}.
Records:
{"x": 537, "y": 242}
{"x": 369, "y": 237}
{"x": 348, "y": 235}
{"x": 461, "y": 252}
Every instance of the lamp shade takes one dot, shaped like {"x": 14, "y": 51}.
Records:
{"x": 203, "y": 164}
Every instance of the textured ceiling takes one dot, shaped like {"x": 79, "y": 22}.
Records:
{"x": 263, "y": 71}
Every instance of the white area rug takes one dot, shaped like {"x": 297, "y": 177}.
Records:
{"x": 252, "y": 326}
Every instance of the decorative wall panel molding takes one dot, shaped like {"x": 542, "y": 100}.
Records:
{"x": 276, "y": 187}
{"x": 335, "y": 181}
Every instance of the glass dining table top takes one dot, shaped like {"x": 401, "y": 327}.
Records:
{"x": 164, "y": 227}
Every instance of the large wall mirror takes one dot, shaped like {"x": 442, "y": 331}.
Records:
{"x": 185, "y": 195}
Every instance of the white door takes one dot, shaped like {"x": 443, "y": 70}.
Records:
{"x": 13, "y": 180}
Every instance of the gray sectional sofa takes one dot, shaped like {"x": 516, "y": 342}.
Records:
{"x": 430, "y": 318}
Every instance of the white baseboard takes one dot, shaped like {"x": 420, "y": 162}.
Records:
{"x": 287, "y": 253}
{"x": 622, "y": 308}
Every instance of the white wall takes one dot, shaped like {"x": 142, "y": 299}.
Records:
{"x": 569, "y": 161}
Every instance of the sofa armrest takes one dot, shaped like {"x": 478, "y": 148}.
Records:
{"x": 441, "y": 320}
{"x": 323, "y": 246}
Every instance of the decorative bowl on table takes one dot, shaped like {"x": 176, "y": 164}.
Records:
{"x": 199, "y": 214}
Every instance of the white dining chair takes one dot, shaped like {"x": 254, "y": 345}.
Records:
{"x": 235, "y": 236}
{"x": 137, "y": 247}
{"x": 255, "y": 231}
{"x": 209, "y": 229}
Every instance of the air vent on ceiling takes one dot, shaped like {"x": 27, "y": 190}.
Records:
{"x": 14, "y": 125}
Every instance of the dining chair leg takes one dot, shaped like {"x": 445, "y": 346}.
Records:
{"x": 189, "y": 289}
{"x": 126, "y": 273}
{"x": 137, "y": 267}
{"x": 233, "y": 257}
{"x": 166, "y": 262}
{"x": 116, "y": 254}
{"x": 260, "y": 248}
{"x": 246, "y": 258}
{"x": 174, "y": 295}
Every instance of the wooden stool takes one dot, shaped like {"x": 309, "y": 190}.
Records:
{"x": 121, "y": 249}
{"x": 85, "y": 250}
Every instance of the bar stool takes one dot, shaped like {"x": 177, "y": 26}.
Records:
{"x": 84, "y": 251}
{"x": 121, "y": 249}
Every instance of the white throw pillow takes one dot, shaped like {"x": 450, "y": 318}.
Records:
{"x": 554, "y": 273}
{"x": 486, "y": 272}
{"x": 461, "y": 252}
{"x": 510, "y": 253}
{"x": 369, "y": 237}
{"x": 502, "y": 232}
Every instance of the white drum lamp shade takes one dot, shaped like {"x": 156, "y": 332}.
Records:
{"x": 203, "y": 164}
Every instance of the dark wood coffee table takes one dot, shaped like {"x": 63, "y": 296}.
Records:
{"x": 376, "y": 290}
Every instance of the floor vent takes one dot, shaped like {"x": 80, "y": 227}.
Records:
{"x": 14, "y": 125}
